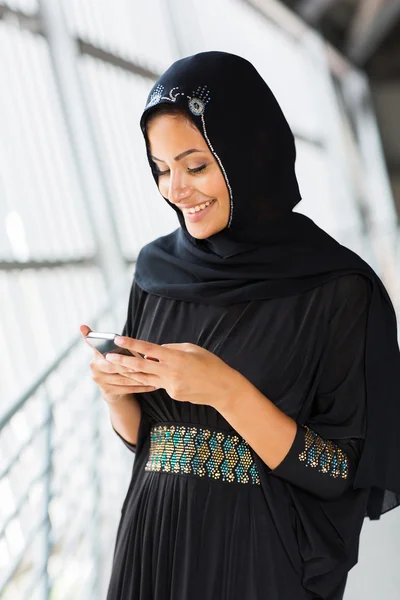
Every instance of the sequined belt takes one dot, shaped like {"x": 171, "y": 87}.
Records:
{"x": 189, "y": 449}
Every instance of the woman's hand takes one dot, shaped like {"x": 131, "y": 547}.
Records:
{"x": 113, "y": 380}
{"x": 188, "y": 372}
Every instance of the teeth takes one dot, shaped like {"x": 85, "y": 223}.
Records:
{"x": 198, "y": 208}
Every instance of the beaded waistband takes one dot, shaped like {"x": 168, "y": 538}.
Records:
{"x": 195, "y": 450}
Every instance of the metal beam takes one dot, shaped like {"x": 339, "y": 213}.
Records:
{"x": 34, "y": 24}
{"x": 114, "y": 60}
{"x": 312, "y": 11}
{"x": 16, "y": 265}
{"x": 20, "y": 19}
{"x": 79, "y": 262}
{"x": 96, "y": 194}
{"x": 373, "y": 21}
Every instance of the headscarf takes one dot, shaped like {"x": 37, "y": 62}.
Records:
{"x": 267, "y": 250}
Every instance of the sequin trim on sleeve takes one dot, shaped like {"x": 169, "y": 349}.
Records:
{"x": 325, "y": 455}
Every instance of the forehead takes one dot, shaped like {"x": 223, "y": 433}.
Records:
{"x": 169, "y": 132}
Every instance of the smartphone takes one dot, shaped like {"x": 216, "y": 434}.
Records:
{"x": 104, "y": 343}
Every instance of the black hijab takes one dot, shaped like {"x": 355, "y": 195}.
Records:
{"x": 266, "y": 250}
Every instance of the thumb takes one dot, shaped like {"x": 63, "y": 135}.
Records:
{"x": 84, "y": 330}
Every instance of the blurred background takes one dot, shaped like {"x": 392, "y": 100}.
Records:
{"x": 77, "y": 202}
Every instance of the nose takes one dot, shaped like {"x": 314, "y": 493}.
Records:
{"x": 178, "y": 188}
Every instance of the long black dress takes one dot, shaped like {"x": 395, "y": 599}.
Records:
{"x": 290, "y": 534}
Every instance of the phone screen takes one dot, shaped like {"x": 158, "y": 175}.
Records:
{"x": 104, "y": 343}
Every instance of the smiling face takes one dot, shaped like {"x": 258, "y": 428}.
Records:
{"x": 188, "y": 174}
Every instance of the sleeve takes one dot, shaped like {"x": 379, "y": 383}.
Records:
{"x": 132, "y": 301}
{"x": 132, "y": 447}
{"x": 325, "y": 452}
{"x": 127, "y": 330}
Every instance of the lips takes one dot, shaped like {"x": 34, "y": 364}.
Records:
{"x": 199, "y": 214}
{"x": 187, "y": 208}
{"x": 183, "y": 208}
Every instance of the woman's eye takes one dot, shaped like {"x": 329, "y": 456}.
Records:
{"x": 195, "y": 170}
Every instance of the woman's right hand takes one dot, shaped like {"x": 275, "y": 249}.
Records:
{"x": 113, "y": 381}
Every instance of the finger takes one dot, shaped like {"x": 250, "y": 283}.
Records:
{"x": 181, "y": 346}
{"x": 137, "y": 364}
{"x": 143, "y": 378}
{"x": 137, "y": 377}
{"x": 114, "y": 368}
{"x": 127, "y": 389}
{"x": 103, "y": 379}
{"x": 121, "y": 380}
{"x": 105, "y": 366}
{"x": 102, "y": 370}
{"x": 147, "y": 348}
{"x": 84, "y": 330}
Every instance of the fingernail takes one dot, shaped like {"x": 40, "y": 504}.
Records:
{"x": 119, "y": 340}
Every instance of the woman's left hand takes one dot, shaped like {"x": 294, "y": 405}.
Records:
{"x": 188, "y": 373}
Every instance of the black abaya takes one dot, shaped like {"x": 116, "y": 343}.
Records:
{"x": 294, "y": 535}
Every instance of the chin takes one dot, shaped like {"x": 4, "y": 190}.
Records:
{"x": 199, "y": 236}
{"x": 203, "y": 235}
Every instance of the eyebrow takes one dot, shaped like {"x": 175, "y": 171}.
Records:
{"x": 182, "y": 155}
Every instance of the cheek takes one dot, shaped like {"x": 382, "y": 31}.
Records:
{"x": 215, "y": 187}
{"x": 222, "y": 193}
{"x": 163, "y": 187}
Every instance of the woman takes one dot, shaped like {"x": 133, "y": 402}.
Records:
{"x": 268, "y": 395}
